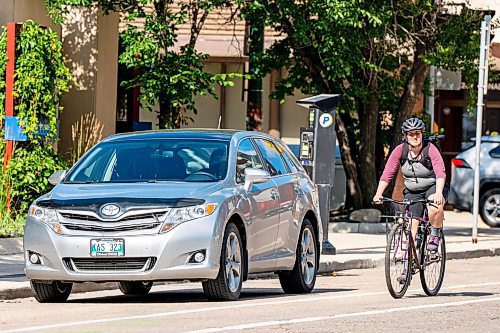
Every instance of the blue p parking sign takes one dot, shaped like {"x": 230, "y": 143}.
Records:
{"x": 326, "y": 120}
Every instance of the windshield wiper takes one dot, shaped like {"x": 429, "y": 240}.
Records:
{"x": 82, "y": 182}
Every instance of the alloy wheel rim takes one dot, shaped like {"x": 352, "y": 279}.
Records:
{"x": 233, "y": 262}
{"x": 308, "y": 256}
{"x": 492, "y": 208}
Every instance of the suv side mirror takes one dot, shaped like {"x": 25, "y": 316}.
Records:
{"x": 255, "y": 176}
{"x": 57, "y": 177}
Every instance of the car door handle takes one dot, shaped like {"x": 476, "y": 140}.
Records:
{"x": 274, "y": 195}
{"x": 297, "y": 189}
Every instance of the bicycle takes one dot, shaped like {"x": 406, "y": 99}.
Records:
{"x": 403, "y": 255}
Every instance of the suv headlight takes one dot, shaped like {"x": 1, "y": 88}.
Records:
{"x": 47, "y": 216}
{"x": 181, "y": 215}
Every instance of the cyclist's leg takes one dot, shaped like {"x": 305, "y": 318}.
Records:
{"x": 436, "y": 217}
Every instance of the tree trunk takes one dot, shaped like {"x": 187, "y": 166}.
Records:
{"x": 165, "y": 116}
{"x": 413, "y": 88}
{"x": 367, "y": 158}
{"x": 353, "y": 196}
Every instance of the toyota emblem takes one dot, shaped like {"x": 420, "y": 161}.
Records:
{"x": 110, "y": 210}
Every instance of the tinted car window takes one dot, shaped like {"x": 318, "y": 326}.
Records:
{"x": 292, "y": 164}
{"x": 189, "y": 160}
{"x": 246, "y": 157}
{"x": 495, "y": 153}
{"x": 272, "y": 157}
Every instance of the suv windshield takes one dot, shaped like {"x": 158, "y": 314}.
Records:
{"x": 176, "y": 159}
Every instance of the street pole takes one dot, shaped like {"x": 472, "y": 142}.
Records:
{"x": 430, "y": 98}
{"x": 482, "y": 87}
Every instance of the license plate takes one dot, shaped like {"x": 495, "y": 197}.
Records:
{"x": 107, "y": 247}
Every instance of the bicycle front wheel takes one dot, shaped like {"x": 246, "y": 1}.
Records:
{"x": 397, "y": 262}
{"x": 433, "y": 265}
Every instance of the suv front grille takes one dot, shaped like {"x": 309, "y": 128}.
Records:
{"x": 135, "y": 220}
{"x": 110, "y": 264}
{"x": 80, "y": 217}
{"x": 101, "y": 228}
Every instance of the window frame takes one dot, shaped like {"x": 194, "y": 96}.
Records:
{"x": 255, "y": 148}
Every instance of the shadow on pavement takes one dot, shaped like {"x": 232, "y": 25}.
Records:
{"x": 195, "y": 295}
{"x": 457, "y": 294}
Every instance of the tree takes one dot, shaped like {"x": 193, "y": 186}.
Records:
{"x": 376, "y": 54}
{"x": 168, "y": 76}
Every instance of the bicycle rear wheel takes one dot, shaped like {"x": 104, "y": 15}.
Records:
{"x": 397, "y": 261}
{"x": 433, "y": 265}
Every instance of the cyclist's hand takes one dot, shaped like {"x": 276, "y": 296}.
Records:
{"x": 437, "y": 198}
{"x": 377, "y": 199}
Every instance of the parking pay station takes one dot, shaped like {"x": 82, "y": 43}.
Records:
{"x": 317, "y": 152}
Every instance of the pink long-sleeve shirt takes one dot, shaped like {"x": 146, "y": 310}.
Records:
{"x": 394, "y": 160}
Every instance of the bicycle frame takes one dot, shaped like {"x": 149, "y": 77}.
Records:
{"x": 407, "y": 218}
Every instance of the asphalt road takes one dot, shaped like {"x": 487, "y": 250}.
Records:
{"x": 351, "y": 301}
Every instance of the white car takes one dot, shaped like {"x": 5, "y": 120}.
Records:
{"x": 462, "y": 180}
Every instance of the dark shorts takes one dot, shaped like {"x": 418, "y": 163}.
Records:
{"x": 418, "y": 209}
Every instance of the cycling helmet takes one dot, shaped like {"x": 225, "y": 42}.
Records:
{"x": 412, "y": 124}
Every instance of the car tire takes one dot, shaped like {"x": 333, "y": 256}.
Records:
{"x": 227, "y": 285}
{"x": 302, "y": 277}
{"x": 53, "y": 292}
{"x": 489, "y": 207}
{"x": 135, "y": 287}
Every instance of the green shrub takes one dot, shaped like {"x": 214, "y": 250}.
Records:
{"x": 28, "y": 172}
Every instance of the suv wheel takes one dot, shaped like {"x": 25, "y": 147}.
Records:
{"x": 489, "y": 207}
{"x": 51, "y": 292}
{"x": 227, "y": 285}
{"x": 302, "y": 278}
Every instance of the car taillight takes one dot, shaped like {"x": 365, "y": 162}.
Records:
{"x": 459, "y": 163}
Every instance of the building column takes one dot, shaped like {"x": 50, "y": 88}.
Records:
{"x": 90, "y": 42}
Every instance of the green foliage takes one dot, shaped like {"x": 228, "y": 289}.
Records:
{"x": 28, "y": 172}
{"x": 169, "y": 75}
{"x": 366, "y": 51}
{"x": 41, "y": 78}
{"x": 10, "y": 225}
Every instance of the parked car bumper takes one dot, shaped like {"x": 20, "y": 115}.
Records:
{"x": 164, "y": 256}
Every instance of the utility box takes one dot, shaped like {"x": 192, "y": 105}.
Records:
{"x": 317, "y": 152}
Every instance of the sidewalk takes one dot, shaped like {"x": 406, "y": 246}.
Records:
{"x": 355, "y": 250}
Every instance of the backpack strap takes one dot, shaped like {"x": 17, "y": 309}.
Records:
{"x": 404, "y": 153}
{"x": 426, "y": 160}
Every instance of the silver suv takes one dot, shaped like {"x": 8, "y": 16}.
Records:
{"x": 209, "y": 206}
{"x": 462, "y": 180}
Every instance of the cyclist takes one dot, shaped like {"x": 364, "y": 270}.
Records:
{"x": 424, "y": 177}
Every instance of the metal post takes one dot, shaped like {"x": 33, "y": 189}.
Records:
{"x": 481, "y": 91}
{"x": 430, "y": 98}
{"x": 9, "y": 87}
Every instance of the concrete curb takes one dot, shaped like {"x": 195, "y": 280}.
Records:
{"x": 332, "y": 266}
{"x": 358, "y": 227}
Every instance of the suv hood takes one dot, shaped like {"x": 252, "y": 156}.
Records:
{"x": 176, "y": 194}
